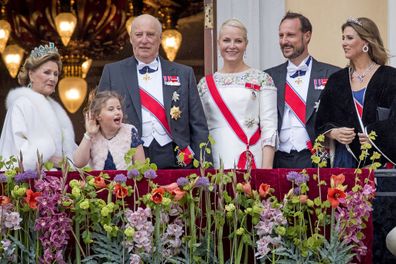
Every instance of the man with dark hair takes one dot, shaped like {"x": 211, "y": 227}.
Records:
{"x": 299, "y": 81}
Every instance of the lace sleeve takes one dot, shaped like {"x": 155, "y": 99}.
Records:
{"x": 202, "y": 87}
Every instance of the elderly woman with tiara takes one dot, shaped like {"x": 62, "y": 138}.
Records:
{"x": 36, "y": 123}
{"x": 240, "y": 105}
{"x": 361, "y": 98}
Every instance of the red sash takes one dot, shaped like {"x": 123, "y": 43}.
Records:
{"x": 297, "y": 106}
{"x": 359, "y": 107}
{"x": 154, "y": 107}
{"x": 234, "y": 125}
{"x": 295, "y": 103}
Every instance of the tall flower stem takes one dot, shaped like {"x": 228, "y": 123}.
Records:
{"x": 193, "y": 231}
{"x": 239, "y": 251}
{"x": 208, "y": 225}
{"x": 78, "y": 246}
{"x": 157, "y": 234}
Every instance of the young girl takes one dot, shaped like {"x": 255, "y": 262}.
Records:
{"x": 107, "y": 139}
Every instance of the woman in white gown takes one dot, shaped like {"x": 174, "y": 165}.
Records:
{"x": 240, "y": 105}
{"x": 36, "y": 123}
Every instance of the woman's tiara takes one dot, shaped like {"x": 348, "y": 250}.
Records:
{"x": 354, "y": 20}
{"x": 41, "y": 50}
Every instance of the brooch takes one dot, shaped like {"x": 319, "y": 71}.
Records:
{"x": 172, "y": 80}
{"x": 175, "y": 96}
{"x": 316, "y": 106}
{"x": 254, "y": 88}
{"x": 175, "y": 112}
{"x": 249, "y": 122}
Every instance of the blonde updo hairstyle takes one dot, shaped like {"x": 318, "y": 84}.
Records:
{"x": 368, "y": 31}
{"x": 233, "y": 22}
{"x": 97, "y": 100}
{"x": 33, "y": 62}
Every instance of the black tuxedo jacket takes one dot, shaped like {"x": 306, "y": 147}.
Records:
{"x": 190, "y": 129}
{"x": 319, "y": 70}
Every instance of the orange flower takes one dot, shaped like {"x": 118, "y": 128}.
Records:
{"x": 99, "y": 182}
{"x": 120, "y": 191}
{"x": 337, "y": 180}
{"x": 247, "y": 188}
{"x": 156, "y": 195}
{"x": 178, "y": 194}
{"x": 4, "y": 200}
{"x": 333, "y": 194}
{"x": 31, "y": 198}
{"x": 264, "y": 190}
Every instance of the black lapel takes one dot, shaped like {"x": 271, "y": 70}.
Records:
{"x": 280, "y": 82}
{"x": 130, "y": 76}
{"x": 168, "y": 69}
{"x": 317, "y": 72}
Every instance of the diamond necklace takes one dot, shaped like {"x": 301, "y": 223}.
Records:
{"x": 360, "y": 77}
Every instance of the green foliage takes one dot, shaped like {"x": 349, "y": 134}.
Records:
{"x": 107, "y": 250}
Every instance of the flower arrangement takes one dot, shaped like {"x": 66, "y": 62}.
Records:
{"x": 205, "y": 217}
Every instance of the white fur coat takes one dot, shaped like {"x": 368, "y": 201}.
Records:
{"x": 35, "y": 122}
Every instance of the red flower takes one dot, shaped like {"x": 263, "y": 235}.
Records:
{"x": 264, "y": 190}
{"x": 4, "y": 200}
{"x": 333, "y": 196}
{"x": 337, "y": 180}
{"x": 31, "y": 198}
{"x": 99, "y": 182}
{"x": 156, "y": 195}
{"x": 120, "y": 191}
{"x": 310, "y": 147}
{"x": 247, "y": 188}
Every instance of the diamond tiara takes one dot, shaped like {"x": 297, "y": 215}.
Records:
{"x": 354, "y": 20}
{"x": 40, "y": 51}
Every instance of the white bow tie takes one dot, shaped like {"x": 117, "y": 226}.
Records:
{"x": 300, "y": 70}
{"x": 152, "y": 65}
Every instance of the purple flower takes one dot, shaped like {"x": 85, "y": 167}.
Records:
{"x": 120, "y": 178}
{"x": 134, "y": 173}
{"x": 25, "y": 176}
{"x": 202, "y": 182}
{"x": 291, "y": 176}
{"x": 297, "y": 190}
{"x": 300, "y": 179}
{"x": 182, "y": 181}
{"x": 150, "y": 174}
{"x": 3, "y": 178}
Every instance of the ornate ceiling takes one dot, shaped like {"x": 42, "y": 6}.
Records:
{"x": 101, "y": 23}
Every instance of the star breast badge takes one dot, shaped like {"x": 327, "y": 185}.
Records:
{"x": 175, "y": 96}
{"x": 175, "y": 112}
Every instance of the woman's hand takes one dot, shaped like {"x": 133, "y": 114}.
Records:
{"x": 344, "y": 135}
{"x": 363, "y": 138}
{"x": 91, "y": 125}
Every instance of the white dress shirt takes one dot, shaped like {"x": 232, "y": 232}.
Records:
{"x": 293, "y": 135}
{"x": 152, "y": 84}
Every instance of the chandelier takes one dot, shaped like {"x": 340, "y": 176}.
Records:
{"x": 82, "y": 31}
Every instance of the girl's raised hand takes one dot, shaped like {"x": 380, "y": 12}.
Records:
{"x": 91, "y": 125}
